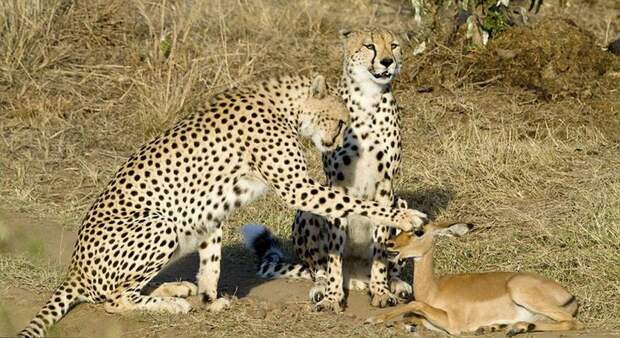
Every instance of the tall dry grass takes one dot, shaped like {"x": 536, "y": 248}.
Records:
{"x": 84, "y": 83}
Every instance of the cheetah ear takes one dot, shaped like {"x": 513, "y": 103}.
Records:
{"x": 318, "y": 89}
{"x": 345, "y": 33}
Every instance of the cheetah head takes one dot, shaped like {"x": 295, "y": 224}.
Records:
{"x": 323, "y": 116}
{"x": 371, "y": 55}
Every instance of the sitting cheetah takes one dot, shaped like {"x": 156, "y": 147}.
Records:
{"x": 171, "y": 197}
{"x": 365, "y": 165}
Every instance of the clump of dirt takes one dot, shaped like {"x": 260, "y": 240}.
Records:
{"x": 555, "y": 58}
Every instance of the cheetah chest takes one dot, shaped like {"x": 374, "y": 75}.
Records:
{"x": 366, "y": 164}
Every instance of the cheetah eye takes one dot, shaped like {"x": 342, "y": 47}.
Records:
{"x": 370, "y": 46}
{"x": 419, "y": 233}
{"x": 395, "y": 45}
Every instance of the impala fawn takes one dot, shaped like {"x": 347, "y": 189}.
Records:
{"x": 482, "y": 302}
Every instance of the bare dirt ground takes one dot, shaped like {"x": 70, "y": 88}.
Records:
{"x": 256, "y": 299}
{"x": 260, "y": 308}
{"x": 521, "y": 138}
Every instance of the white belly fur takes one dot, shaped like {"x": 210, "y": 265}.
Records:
{"x": 359, "y": 237}
{"x": 359, "y": 229}
{"x": 513, "y": 313}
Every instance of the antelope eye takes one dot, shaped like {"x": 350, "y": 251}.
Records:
{"x": 370, "y": 46}
{"x": 419, "y": 233}
{"x": 395, "y": 45}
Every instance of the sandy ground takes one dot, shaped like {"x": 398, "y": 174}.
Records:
{"x": 276, "y": 301}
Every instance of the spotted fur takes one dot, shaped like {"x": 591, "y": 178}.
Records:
{"x": 173, "y": 195}
{"x": 364, "y": 166}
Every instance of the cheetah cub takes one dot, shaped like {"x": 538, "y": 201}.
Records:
{"x": 172, "y": 196}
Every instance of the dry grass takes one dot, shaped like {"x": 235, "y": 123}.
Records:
{"x": 83, "y": 84}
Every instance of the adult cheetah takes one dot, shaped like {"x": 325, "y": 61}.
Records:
{"x": 365, "y": 166}
{"x": 172, "y": 196}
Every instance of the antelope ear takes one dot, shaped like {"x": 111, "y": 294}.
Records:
{"x": 318, "y": 89}
{"x": 452, "y": 230}
{"x": 345, "y": 33}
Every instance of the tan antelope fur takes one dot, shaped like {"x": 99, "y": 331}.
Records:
{"x": 477, "y": 302}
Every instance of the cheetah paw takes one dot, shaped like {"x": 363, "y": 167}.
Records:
{"x": 519, "y": 327}
{"x": 383, "y": 298}
{"x": 176, "y": 289}
{"x": 218, "y": 305}
{"x": 401, "y": 288}
{"x": 330, "y": 305}
{"x": 484, "y": 330}
{"x": 174, "y": 305}
{"x": 408, "y": 219}
{"x": 318, "y": 291}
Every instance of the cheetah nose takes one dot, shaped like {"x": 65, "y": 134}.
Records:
{"x": 386, "y": 62}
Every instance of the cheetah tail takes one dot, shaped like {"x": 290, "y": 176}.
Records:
{"x": 259, "y": 240}
{"x": 63, "y": 299}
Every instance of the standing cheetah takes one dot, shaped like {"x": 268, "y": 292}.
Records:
{"x": 364, "y": 166}
{"x": 171, "y": 197}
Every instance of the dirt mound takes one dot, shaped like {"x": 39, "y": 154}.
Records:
{"x": 555, "y": 58}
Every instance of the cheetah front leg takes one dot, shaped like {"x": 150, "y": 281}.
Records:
{"x": 334, "y": 289}
{"x": 208, "y": 276}
{"x": 380, "y": 292}
{"x": 303, "y": 193}
{"x": 398, "y": 286}
{"x": 307, "y": 238}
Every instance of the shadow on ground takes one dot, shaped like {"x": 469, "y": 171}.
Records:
{"x": 238, "y": 275}
{"x": 431, "y": 201}
{"x": 237, "y": 278}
